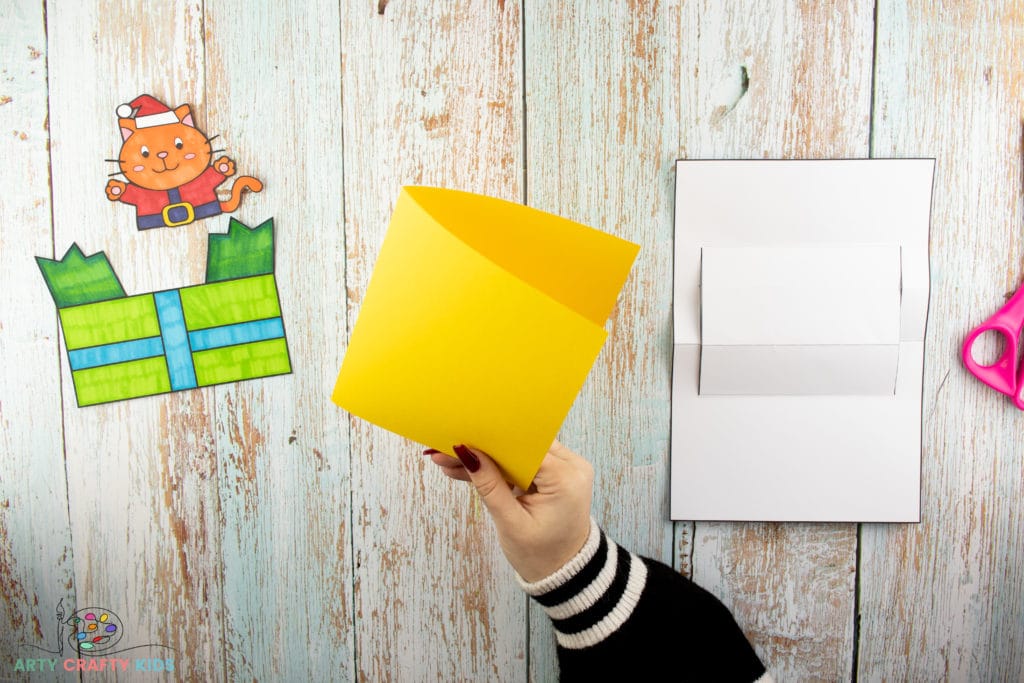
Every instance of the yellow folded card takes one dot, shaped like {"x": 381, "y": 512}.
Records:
{"x": 480, "y": 323}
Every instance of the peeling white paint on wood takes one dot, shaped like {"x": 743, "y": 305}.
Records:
{"x": 35, "y": 541}
{"x": 283, "y": 469}
{"x": 267, "y": 535}
{"x": 142, "y": 492}
{"x": 944, "y": 600}
{"x": 808, "y": 95}
{"x": 602, "y": 122}
{"x": 432, "y": 96}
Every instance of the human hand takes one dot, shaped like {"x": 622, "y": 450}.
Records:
{"x": 539, "y": 530}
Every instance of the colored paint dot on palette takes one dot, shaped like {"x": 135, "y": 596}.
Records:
{"x": 80, "y": 636}
{"x": 85, "y": 646}
{"x": 110, "y": 628}
{"x": 90, "y": 616}
{"x": 92, "y": 627}
{"x": 103, "y": 617}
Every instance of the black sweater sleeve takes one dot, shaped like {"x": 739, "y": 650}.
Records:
{"x": 617, "y": 614}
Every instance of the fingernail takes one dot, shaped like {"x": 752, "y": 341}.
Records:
{"x": 466, "y": 457}
{"x": 431, "y": 451}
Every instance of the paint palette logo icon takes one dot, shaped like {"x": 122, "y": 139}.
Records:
{"x": 95, "y": 630}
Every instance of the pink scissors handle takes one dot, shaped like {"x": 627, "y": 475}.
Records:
{"x": 1006, "y": 375}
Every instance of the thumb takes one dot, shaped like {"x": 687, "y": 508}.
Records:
{"x": 489, "y": 483}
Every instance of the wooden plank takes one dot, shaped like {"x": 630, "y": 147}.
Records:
{"x": 143, "y": 494}
{"x": 432, "y": 95}
{"x": 603, "y": 127}
{"x": 35, "y": 534}
{"x": 274, "y": 83}
{"x": 944, "y": 599}
{"x": 781, "y": 80}
{"x": 181, "y": 504}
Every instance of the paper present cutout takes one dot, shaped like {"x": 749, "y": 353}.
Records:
{"x": 479, "y": 325}
{"x": 226, "y": 330}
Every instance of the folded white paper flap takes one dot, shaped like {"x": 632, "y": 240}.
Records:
{"x": 800, "y": 320}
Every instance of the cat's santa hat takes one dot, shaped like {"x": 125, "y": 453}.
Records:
{"x": 147, "y": 111}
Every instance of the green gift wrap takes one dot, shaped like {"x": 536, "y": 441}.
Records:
{"x": 226, "y": 330}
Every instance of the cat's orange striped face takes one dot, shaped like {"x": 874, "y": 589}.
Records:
{"x": 165, "y": 156}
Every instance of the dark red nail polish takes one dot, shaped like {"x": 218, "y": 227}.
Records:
{"x": 431, "y": 451}
{"x": 467, "y": 458}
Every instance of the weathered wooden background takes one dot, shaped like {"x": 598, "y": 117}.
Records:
{"x": 264, "y": 534}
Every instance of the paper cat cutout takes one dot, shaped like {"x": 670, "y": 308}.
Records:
{"x": 166, "y": 160}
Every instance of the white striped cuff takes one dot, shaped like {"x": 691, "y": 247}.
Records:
{"x": 569, "y": 569}
{"x": 627, "y": 575}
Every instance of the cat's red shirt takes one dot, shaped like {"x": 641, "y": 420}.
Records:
{"x": 196, "y": 192}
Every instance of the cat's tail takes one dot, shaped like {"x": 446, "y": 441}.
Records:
{"x": 242, "y": 183}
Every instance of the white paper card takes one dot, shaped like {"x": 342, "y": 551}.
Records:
{"x": 800, "y": 400}
{"x": 800, "y": 320}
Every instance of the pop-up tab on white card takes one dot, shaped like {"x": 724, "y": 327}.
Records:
{"x": 800, "y": 320}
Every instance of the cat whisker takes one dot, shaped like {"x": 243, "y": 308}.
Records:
{"x": 212, "y": 138}
{"x": 110, "y": 175}
{"x": 214, "y": 151}
{"x": 115, "y": 161}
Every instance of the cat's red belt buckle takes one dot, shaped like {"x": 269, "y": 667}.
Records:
{"x": 172, "y": 212}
